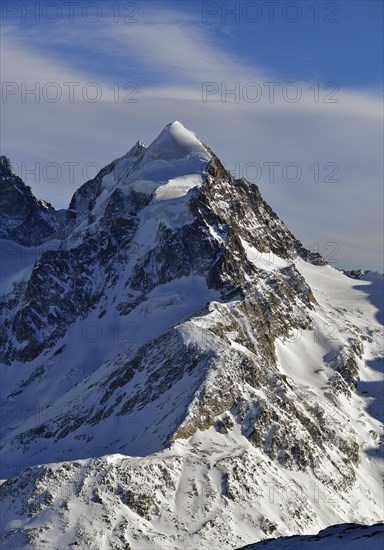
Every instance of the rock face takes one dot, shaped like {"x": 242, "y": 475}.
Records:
{"x": 24, "y": 219}
{"x": 177, "y": 320}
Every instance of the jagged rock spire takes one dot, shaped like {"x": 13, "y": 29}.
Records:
{"x": 6, "y": 168}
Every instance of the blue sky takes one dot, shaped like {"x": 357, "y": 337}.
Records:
{"x": 320, "y": 120}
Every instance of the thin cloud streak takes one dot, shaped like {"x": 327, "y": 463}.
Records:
{"x": 347, "y": 132}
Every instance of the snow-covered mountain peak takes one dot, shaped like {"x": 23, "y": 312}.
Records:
{"x": 174, "y": 163}
{"x": 175, "y": 142}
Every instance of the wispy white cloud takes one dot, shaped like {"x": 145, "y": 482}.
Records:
{"x": 183, "y": 56}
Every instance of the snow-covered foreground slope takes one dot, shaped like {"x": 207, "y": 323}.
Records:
{"x": 337, "y": 537}
{"x": 179, "y": 372}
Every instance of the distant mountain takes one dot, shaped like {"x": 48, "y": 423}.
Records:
{"x": 177, "y": 369}
{"x": 365, "y": 274}
{"x": 24, "y": 219}
{"x": 349, "y": 535}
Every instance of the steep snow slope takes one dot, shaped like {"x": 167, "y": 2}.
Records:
{"x": 17, "y": 261}
{"x": 188, "y": 373}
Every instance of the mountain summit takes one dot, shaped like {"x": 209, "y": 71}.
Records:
{"x": 178, "y": 370}
{"x": 175, "y": 143}
{"x": 6, "y": 169}
{"x": 24, "y": 219}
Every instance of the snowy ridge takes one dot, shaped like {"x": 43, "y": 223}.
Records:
{"x": 180, "y": 372}
{"x": 350, "y": 536}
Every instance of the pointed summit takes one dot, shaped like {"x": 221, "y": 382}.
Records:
{"x": 136, "y": 150}
{"x": 24, "y": 219}
{"x": 6, "y": 167}
{"x": 176, "y": 142}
